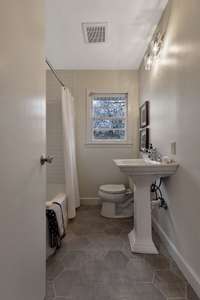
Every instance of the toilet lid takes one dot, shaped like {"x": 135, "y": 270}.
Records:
{"x": 113, "y": 188}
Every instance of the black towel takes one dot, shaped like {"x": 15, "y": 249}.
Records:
{"x": 54, "y": 235}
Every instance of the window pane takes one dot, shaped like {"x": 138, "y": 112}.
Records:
{"x": 113, "y": 106}
{"x": 109, "y": 117}
{"x": 109, "y": 134}
{"x": 113, "y": 124}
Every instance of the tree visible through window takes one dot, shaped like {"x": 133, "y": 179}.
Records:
{"x": 109, "y": 117}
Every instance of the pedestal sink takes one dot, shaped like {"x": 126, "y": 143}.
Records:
{"x": 142, "y": 173}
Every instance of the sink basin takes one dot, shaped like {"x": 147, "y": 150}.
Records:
{"x": 146, "y": 167}
{"x": 141, "y": 174}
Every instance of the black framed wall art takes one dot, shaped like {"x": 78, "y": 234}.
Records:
{"x": 144, "y": 139}
{"x": 144, "y": 115}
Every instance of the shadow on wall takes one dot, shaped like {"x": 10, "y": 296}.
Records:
{"x": 183, "y": 211}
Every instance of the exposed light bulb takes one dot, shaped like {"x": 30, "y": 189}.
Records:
{"x": 154, "y": 51}
{"x": 155, "y": 48}
{"x": 148, "y": 62}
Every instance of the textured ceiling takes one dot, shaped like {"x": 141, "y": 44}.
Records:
{"x": 130, "y": 26}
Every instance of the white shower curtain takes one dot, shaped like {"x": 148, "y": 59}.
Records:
{"x": 71, "y": 176}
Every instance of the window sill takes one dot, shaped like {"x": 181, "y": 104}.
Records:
{"x": 108, "y": 145}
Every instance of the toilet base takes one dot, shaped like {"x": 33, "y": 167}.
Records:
{"x": 108, "y": 210}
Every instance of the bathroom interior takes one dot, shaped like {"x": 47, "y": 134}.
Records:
{"x": 100, "y": 145}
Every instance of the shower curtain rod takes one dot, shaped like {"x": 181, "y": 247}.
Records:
{"x": 54, "y": 72}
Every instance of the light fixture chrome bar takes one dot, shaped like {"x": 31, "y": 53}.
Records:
{"x": 54, "y": 72}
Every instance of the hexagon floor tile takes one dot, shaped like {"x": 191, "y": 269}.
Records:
{"x": 95, "y": 263}
{"x": 170, "y": 284}
{"x": 116, "y": 260}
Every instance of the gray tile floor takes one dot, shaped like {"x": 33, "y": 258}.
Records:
{"x": 95, "y": 263}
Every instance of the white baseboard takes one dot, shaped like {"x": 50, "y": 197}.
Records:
{"x": 186, "y": 269}
{"x": 90, "y": 201}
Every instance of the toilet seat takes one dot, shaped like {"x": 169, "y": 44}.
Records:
{"x": 111, "y": 197}
{"x": 113, "y": 188}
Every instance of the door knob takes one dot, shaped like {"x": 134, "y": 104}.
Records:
{"x": 47, "y": 159}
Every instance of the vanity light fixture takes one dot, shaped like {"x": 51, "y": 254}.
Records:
{"x": 153, "y": 51}
{"x": 148, "y": 61}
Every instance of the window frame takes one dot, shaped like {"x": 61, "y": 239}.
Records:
{"x": 89, "y": 127}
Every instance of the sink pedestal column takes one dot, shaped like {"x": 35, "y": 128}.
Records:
{"x": 141, "y": 236}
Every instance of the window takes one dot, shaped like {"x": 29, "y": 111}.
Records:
{"x": 108, "y": 118}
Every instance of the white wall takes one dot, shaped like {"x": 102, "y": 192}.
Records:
{"x": 173, "y": 89}
{"x": 95, "y": 166}
{"x": 22, "y": 141}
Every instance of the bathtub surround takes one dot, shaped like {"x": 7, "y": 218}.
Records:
{"x": 55, "y": 171}
{"x": 69, "y": 149}
{"x": 173, "y": 89}
{"x": 53, "y": 189}
{"x": 95, "y": 166}
{"x": 22, "y": 135}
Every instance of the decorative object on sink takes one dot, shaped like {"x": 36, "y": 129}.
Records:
{"x": 144, "y": 115}
{"x": 144, "y": 139}
{"x": 153, "y": 153}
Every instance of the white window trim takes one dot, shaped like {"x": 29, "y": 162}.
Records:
{"x": 89, "y": 141}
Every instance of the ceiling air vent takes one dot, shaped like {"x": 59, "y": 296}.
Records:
{"x": 95, "y": 32}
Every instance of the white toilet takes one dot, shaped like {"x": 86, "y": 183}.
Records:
{"x": 117, "y": 201}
